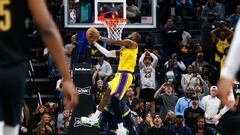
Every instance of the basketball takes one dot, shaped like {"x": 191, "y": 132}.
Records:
{"x": 89, "y": 35}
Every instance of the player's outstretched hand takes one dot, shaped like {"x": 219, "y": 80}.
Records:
{"x": 70, "y": 94}
{"x": 224, "y": 91}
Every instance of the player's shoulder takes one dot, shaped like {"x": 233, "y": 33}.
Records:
{"x": 131, "y": 44}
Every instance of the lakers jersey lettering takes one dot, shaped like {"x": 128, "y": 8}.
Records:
{"x": 5, "y": 15}
{"x": 128, "y": 59}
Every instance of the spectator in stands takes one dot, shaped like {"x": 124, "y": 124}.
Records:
{"x": 178, "y": 65}
{"x": 186, "y": 36}
{"x": 53, "y": 109}
{"x": 180, "y": 128}
{"x": 98, "y": 88}
{"x": 148, "y": 122}
{"x": 132, "y": 101}
{"x": 157, "y": 53}
{"x": 147, "y": 66}
{"x": 188, "y": 80}
{"x": 199, "y": 63}
{"x": 157, "y": 129}
{"x": 197, "y": 48}
{"x": 54, "y": 73}
{"x": 166, "y": 100}
{"x": 211, "y": 106}
{"x": 171, "y": 37}
{"x": 69, "y": 47}
{"x": 171, "y": 75}
{"x": 207, "y": 44}
{"x": 60, "y": 93}
{"x": 149, "y": 107}
{"x": 187, "y": 8}
{"x": 171, "y": 10}
{"x": 46, "y": 121}
{"x": 187, "y": 51}
{"x": 170, "y": 120}
{"x": 208, "y": 75}
{"x": 140, "y": 108}
{"x": 37, "y": 116}
{"x": 192, "y": 113}
{"x": 221, "y": 42}
{"x": 233, "y": 18}
{"x": 43, "y": 130}
{"x": 133, "y": 12}
{"x": 104, "y": 68}
{"x": 201, "y": 90}
{"x": 26, "y": 125}
{"x": 139, "y": 125}
{"x": 214, "y": 7}
{"x": 148, "y": 40}
{"x": 63, "y": 122}
{"x": 201, "y": 127}
{"x": 198, "y": 10}
{"x": 184, "y": 102}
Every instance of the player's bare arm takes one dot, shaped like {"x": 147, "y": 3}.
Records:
{"x": 52, "y": 40}
{"x": 126, "y": 42}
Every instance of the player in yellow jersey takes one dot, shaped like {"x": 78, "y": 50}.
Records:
{"x": 123, "y": 78}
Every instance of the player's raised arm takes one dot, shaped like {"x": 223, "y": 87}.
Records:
{"x": 107, "y": 53}
{"x": 53, "y": 41}
{"x": 126, "y": 42}
{"x": 130, "y": 43}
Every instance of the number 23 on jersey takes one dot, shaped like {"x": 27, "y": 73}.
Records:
{"x": 5, "y": 15}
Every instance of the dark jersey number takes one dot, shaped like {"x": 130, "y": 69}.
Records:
{"x": 5, "y": 23}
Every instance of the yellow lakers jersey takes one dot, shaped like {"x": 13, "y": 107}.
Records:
{"x": 221, "y": 45}
{"x": 128, "y": 59}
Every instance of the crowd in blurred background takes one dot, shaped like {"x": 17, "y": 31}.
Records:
{"x": 174, "y": 89}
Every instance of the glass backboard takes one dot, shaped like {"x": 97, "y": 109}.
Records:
{"x": 82, "y": 14}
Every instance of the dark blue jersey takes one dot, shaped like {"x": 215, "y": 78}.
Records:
{"x": 13, "y": 35}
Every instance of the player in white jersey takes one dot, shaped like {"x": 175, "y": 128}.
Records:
{"x": 231, "y": 121}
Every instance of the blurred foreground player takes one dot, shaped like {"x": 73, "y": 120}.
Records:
{"x": 230, "y": 72}
{"x": 14, "y": 54}
{"x": 123, "y": 78}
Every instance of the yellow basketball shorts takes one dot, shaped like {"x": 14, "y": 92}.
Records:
{"x": 120, "y": 83}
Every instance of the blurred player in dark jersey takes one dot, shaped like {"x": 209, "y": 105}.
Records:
{"x": 14, "y": 54}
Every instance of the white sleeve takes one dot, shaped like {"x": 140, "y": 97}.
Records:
{"x": 181, "y": 65}
{"x": 45, "y": 51}
{"x": 58, "y": 85}
{"x": 109, "y": 69}
{"x": 141, "y": 61}
{"x": 105, "y": 51}
{"x": 155, "y": 60}
{"x": 232, "y": 63}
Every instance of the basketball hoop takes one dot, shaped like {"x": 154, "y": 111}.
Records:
{"x": 115, "y": 27}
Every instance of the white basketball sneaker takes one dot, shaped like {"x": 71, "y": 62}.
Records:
{"x": 90, "y": 120}
{"x": 122, "y": 131}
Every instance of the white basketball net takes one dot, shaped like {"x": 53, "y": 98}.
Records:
{"x": 115, "y": 27}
